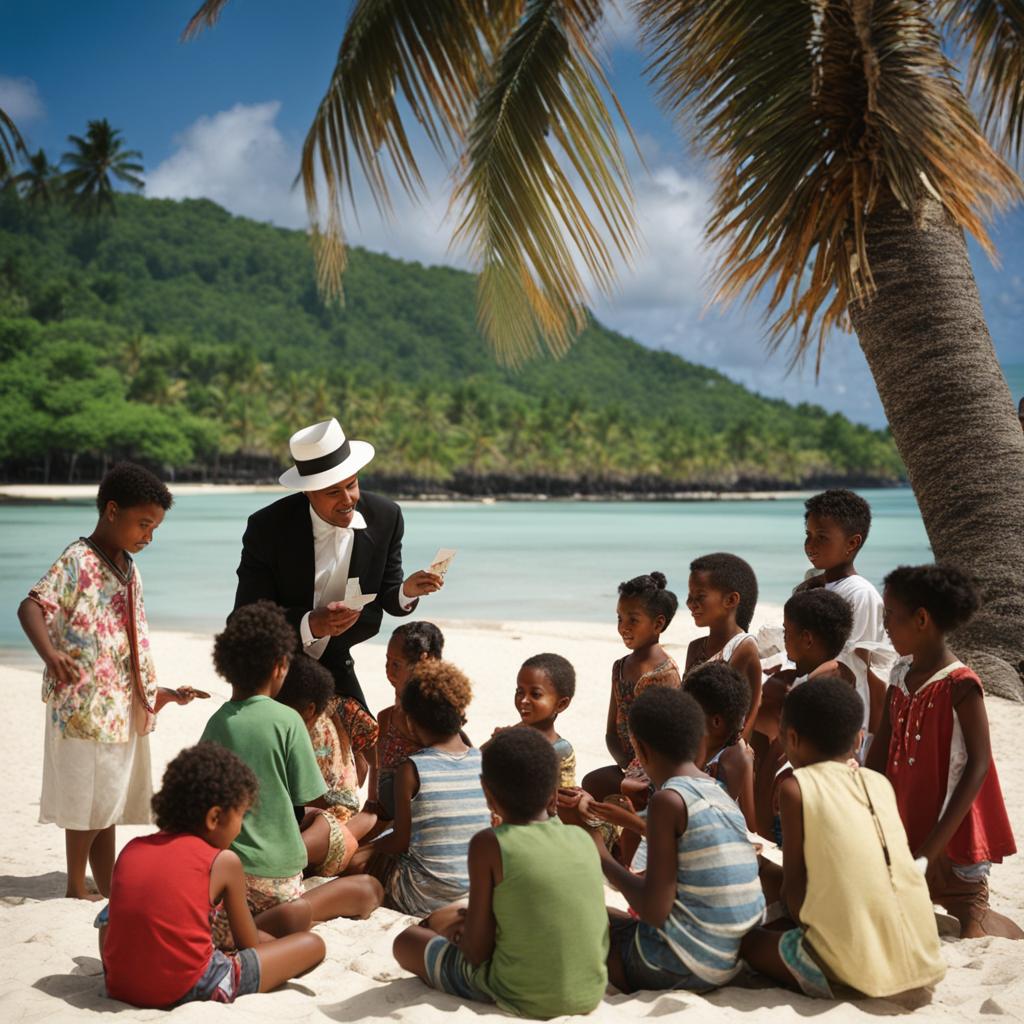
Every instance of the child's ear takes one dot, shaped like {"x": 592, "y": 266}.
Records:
{"x": 110, "y": 511}
{"x": 853, "y": 543}
{"x": 553, "y": 804}
{"x": 716, "y": 722}
{"x": 213, "y": 817}
{"x": 492, "y": 804}
{"x": 732, "y": 600}
{"x": 643, "y": 753}
{"x": 563, "y": 703}
{"x": 660, "y": 622}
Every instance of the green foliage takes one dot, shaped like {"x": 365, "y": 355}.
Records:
{"x": 195, "y": 340}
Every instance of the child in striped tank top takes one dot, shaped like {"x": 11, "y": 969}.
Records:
{"x": 439, "y": 805}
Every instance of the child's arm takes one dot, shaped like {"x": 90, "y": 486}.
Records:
{"x": 748, "y": 664}
{"x": 407, "y": 785}
{"x": 61, "y": 665}
{"x": 694, "y": 653}
{"x": 485, "y": 872}
{"x": 611, "y": 733}
{"x": 969, "y": 707}
{"x": 227, "y": 883}
{"x": 738, "y": 762}
{"x": 878, "y": 753}
{"x": 794, "y": 868}
{"x": 653, "y": 894}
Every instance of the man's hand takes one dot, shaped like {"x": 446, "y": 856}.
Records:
{"x": 332, "y": 619}
{"x": 422, "y": 582}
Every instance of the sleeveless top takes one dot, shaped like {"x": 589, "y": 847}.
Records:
{"x": 158, "y": 942}
{"x": 566, "y": 763}
{"x": 666, "y": 673}
{"x": 394, "y": 745}
{"x": 730, "y": 648}
{"x": 867, "y": 913}
{"x": 718, "y": 894}
{"x": 927, "y": 757}
{"x": 447, "y": 812}
{"x": 551, "y": 941}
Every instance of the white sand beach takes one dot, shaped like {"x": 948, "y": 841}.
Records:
{"x": 50, "y": 969}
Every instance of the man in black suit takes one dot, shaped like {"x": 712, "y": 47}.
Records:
{"x": 303, "y": 550}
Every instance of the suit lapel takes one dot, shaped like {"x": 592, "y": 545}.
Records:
{"x": 362, "y": 547}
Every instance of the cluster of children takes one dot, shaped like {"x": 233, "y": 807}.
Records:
{"x": 497, "y": 851}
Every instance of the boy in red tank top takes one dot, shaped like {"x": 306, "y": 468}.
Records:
{"x": 155, "y": 937}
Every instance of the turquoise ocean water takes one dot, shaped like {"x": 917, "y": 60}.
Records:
{"x": 517, "y": 560}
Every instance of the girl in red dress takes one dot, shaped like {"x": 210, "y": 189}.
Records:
{"x": 933, "y": 744}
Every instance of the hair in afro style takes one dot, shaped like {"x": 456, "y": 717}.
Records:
{"x": 827, "y": 711}
{"x": 731, "y": 575}
{"x": 520, "y": 768}
{"x": 307, "y": 682}
{"x": 200, "y": 777}
{"x": 651, "y": 591}
{"x": 255, "y": 639}
{"x": 436, "y": 697}
{"x": 849, "y": 510}
{"x": 558, "y": 669}
{"x": 824, "y": 614}
{"x": 128, "y": 485}
{"x": 720, "y": 690}
{"x": 669, "y": 721}
{"x": 945, "y": 592}
{"x": 418, "y": 639}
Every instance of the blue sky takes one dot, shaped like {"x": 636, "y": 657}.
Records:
{"x": 224, "y": 116}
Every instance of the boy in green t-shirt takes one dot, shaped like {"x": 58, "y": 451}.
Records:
{"x": 253, "y": 654}
{"x": 534, "y": 937}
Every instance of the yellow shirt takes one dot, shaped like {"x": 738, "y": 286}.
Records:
{"x": 869, "y": 921}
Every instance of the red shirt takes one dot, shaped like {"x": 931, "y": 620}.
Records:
{"x": 158, "y": 942}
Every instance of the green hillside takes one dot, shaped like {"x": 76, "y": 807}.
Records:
{"x": 178, "y": 334}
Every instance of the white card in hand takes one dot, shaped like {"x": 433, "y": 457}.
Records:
{"x": 354, "y": 597}
{"x": 442, "y": 561}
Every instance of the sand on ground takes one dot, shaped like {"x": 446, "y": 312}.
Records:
{"x": 50, "y": 969}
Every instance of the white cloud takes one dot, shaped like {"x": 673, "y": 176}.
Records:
{"x": 20, "y": 99}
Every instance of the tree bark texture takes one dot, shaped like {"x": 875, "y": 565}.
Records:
{"x": 953, "y": 420}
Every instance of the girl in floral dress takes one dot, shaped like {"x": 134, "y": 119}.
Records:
{"x": 87, "y": 622}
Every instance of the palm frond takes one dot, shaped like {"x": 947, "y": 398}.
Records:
{"x": 429, "y": 58}
{"x": 11, "y": 142}
{"x": 522, "y": 216}
{"x": 205, "y": 17}
{"x": 993, "y": 34}
{"x": 809, "y": 109}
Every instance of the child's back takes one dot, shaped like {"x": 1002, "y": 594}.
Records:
{"x": 867, "y": 912}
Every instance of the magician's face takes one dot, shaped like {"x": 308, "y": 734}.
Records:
{"x": 335, "y": 504}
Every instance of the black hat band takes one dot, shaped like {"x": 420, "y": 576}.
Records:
{"x": 311, "y": 467}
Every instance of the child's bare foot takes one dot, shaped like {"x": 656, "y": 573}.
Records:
{"x": 83, "y": 894}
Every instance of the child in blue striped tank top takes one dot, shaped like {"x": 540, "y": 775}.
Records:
{"x": 439, "y": 804}
{"x": 700, "y": 894}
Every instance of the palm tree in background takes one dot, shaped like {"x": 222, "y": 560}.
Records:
{"x": 38, "y": 183}
{"x": 92, "y": 164}
{"x": 12, "y": 145}
{"x": 848, "y": 165}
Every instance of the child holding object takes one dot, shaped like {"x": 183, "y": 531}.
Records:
{"x": 934, "y": 746}
{"x": 87, "y": 621}
{"x": 534, "y": 936}
{"x": 700, "y": 894}
{"x": 155, "y": 933}
{"x": 861, "y": 905}
{"x": 644, "y": 611}
{"x": 545, "y": 687}
{"x": 331, "y": 834}
{"x": 439, "y": 805}
{"x": 722, "y": 596}
{"x": 253, "y": 654}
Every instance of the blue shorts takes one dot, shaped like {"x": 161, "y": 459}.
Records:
{"x": 449, "y": 971}
{"x": 640, "y": 974}
{"x": 227, "y": 976}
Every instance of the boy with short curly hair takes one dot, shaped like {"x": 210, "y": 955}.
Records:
{"x": 155, "y": 933}
{"x": 253, "y": 654}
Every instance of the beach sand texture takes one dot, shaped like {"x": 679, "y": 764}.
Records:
{"x": 50, "y": 969}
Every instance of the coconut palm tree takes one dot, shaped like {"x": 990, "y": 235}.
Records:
{"x": 37, "y": 183}
{"x": 11, "y": 146}
{"x": 848, "y": 166}
{"x": 92, "y": 164}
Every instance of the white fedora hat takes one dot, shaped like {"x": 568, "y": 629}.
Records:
{"x": 324, "y": 456}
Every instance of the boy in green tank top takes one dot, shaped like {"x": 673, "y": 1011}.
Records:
{"x": 534, "y": 937}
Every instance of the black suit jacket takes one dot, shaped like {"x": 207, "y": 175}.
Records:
{"x": 278, "y": 565}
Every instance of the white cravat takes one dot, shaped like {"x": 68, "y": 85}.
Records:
{"x": 332, "y": 555}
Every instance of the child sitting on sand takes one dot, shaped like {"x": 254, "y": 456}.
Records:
{"x": 439, "y": 805}
{"x": 933, "y": 745}
{"x": 722, "y": 596}
{"x": 534, "y": 936}
{"x": 87, "y": 622}
{"x": 155, "y": 932}
{"x": 849, "y": 880}
{"x": 252, "y": 654}
{"x": 700, "y": 894}
{"x": 331, "y": 835}
{"x": 410, "y": 644}
{"x": 545, "y": 687}
{"x": 645, "y": 610}
{"x": 724, "y": 698}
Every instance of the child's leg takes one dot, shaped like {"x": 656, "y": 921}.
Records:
{"x": 963, "y": 892}
{"x": 288, "y": 957}
{"x": 603, "y": 781}
{"x": 101, "y": 859}
{"x": 360, "y": 824}
{"x": 357, "y": 896}
{"x": 316, "y": 837}
{"x": 77, "y": 845}
{"x": 285, "y": 918}
{"x": 783, "y": 957}
{"x": 409, "y": 948}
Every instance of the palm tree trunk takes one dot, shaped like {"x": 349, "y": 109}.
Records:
{"x": 953, "y": 421}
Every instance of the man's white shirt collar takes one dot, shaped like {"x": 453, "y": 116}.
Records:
{"x": 323, "y": 529}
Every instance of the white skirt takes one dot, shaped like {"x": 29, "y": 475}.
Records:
{"x": 89, "y": 785}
